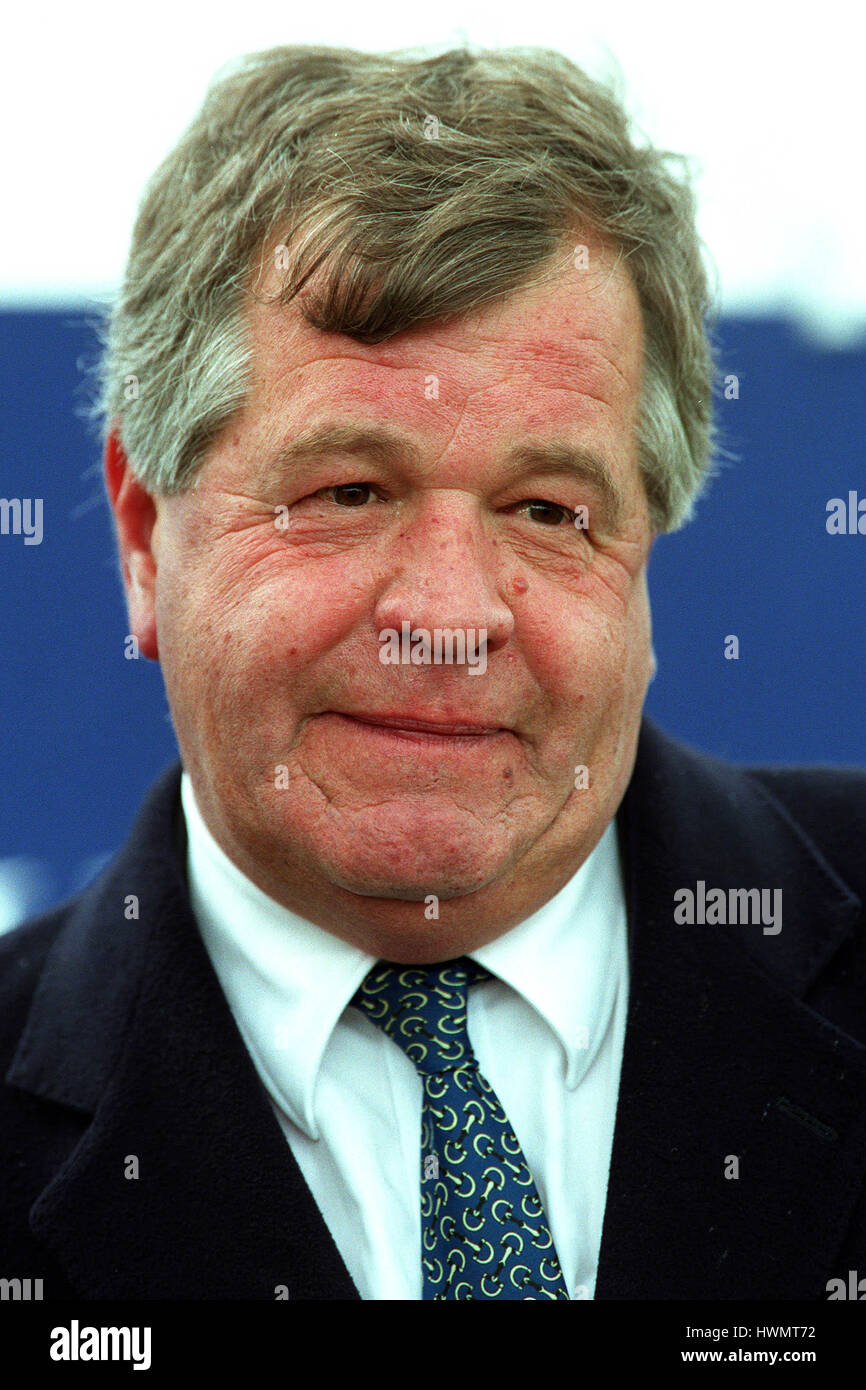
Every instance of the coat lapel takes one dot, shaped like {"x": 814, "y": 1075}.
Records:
{"x": 219, "y": 1208}
{"x": 725, "y": 1069}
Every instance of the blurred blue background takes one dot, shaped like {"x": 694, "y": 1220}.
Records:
{"x": 86, "y": 731}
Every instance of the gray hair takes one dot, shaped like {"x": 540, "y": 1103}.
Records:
{"x": 413, "y": 188}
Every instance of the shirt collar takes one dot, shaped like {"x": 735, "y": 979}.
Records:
{"x": 287, "y": 980}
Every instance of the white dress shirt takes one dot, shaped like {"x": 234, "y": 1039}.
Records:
{"x": 547, "y": 1031}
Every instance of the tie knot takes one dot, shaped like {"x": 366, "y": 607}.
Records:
{"x": 423, "y": 1009}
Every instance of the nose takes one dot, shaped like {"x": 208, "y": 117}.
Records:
{"x": 446, "y": 574}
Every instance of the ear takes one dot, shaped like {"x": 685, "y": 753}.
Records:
{"x": 135, "y": 517}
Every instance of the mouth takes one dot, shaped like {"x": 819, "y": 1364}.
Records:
{"x": 463, "y": 731}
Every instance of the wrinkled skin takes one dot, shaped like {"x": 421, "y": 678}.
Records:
{"x": 268, "y": 634}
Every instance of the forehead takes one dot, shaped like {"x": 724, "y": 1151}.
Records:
{"x": 566, "y": 351}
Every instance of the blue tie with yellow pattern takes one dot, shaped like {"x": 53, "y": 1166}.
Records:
{"x": 484, "y": 1233}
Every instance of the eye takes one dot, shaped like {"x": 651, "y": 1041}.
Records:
{"x": 359, "y": 494}
{"x": 548, "y": 513}
{"x": 348, "y": 494}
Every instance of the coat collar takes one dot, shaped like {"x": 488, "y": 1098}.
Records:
{"x": 722, "y": 1060}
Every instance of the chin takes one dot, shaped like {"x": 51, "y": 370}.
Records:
{"x": 411, "y": 867}
{"x": 409, "y": 878}
{"x": 406, "y": 848}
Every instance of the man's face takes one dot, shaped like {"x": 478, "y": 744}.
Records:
{"x": 264, "y": 592}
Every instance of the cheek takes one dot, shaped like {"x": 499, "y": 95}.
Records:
{"x": 592, "y": 665}
{"x": 578, "y": 659}
{"x": 274, "y": 613}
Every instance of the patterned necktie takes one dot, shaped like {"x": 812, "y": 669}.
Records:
{"x": 484, "y": 1233}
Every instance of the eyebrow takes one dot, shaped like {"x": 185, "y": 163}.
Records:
{"x": 389, "y": 448}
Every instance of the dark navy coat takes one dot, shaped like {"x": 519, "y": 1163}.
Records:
{"x": 116, "y": 1040}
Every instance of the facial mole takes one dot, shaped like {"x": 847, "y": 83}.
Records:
{"x": 519, "y": 584}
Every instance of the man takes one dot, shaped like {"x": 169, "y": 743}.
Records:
{"x": 434, "y": 970}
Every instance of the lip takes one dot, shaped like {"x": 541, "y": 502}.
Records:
{"x": 402, "y": 723}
